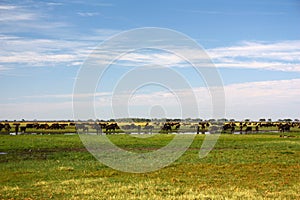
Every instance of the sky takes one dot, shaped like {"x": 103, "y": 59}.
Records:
{"x": 255, "y": 46}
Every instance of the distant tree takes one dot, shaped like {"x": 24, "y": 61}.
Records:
{"x": 269, "y": 120}
{"x": 177, "y": 120}
{"x": 163, "y": 120}
{"x": 247, "y": 120}
{"x": 262, "y": 120}
{"x": 222, "y": 120}
{"x": 296, "y": 120}
{"x": 188, "y": 119}
{"x": 232, "y": 120}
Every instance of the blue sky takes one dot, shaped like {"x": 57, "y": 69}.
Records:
{"x": 255, "y": 45}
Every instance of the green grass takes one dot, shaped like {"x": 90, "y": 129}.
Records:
{"x": 257, "y": 166}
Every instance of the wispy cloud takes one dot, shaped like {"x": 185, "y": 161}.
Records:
{"x": 276, "y": 56}
{"x": 9, "y": 13}
{"x": 163, "y": 59}
{"x": 281, "y": 56}
{"x": 255, "y": 100}
{"x": 7, "y": 7}
{"x": 54, "y": 3}
{"x": 285, "y": 50}
{"x": 88, "y": 14}
{"x": 235, "y": 13}
{"x": 69, "y": 96}
{"x": 267, "y": 99}
{"x": 92, "y": 3}
{"x": 40, "y": 52}
{"x": 21, "y": 17}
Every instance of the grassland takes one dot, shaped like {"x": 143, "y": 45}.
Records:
{"x": 254, "y": 166}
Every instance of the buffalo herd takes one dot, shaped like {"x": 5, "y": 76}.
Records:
{"x": 256, "y": 126}
{"x": 161, "y": 127}
{"x": 38, "y": 126}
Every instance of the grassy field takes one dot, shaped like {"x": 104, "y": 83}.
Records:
{"x": 254, "y": 166}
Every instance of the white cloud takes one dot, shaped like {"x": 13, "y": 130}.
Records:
{"x": 68, "y": 96}
{"x": 54, "y": 4}
{"x": 255, "y": 100}
{"x": 284, "y": 56}
{"x": 48, "y": 52}
{"x": 7, "y": 7}
{"x": 281, "y": 56}
{"x": 35, "y": 58}
{"x": 92, "y": 3}
{"x": 19, "y": 17}
{"x": 7, "y": 17}
{"x": 257, "y": 49}
{"x": 88, "y": 14}
{"x": 9, "y": 13}
{"x": 41, "y": 52}
{"x": 241, "y": 13}
{"x": 278, "y": 56}
{"x": 267, "y": 99}
{"x": 277, "y": 66}
{"x": 158, "y": 59}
